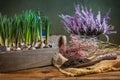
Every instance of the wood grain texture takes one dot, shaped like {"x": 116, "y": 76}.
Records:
{"x": 17, "y": 60}
{"x": 51, "y": 73}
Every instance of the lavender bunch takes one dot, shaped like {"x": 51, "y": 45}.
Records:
{"x": 84, "y": 22}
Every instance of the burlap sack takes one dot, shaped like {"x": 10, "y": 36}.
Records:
{"x": 102, "y": 66}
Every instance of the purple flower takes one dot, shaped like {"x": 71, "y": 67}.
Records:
{"x": 84, "y": 22}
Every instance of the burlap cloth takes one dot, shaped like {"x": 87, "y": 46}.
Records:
{"x": 100, "y": 67}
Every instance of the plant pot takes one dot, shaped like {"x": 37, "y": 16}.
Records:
{"x": 18, "y": 60}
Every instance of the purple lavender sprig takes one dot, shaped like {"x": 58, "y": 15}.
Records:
{"x": 84, "y": 22}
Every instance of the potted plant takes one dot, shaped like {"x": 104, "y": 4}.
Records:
{"x": 84, "y": 28}
{"x": 22, "y": 44}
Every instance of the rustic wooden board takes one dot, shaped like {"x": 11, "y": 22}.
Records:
{"x": 17, "y": 60}
{"x": 51, "y": 73}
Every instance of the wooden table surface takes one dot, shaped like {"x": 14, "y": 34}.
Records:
{"x": 52, "y": 73}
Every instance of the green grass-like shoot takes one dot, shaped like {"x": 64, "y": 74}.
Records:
{"x": 24, "y": 28}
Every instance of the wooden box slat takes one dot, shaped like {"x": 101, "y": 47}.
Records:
{"x": 17, "y": 60}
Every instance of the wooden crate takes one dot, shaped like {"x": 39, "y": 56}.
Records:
{"x": 18, "y": 60}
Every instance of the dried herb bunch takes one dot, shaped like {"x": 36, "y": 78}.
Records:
{"x": 77, "y": 48}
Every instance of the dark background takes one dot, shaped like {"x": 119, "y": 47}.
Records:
{"x": 53, "y": 8}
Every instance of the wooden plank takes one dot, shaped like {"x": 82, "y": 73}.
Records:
{"x": 51, "y": 73}
{"x": 43, "y": 73}
{"x": 17, "y": 60}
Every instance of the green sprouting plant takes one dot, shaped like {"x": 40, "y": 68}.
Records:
{"x": 10, "y": 32}
{"x": 17, "y": 28}
{"x": 33, "y": 27}
{"x": 4, "y": 31}
{"x": 46, "y": 24}
{"x": 24, "y": 28}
